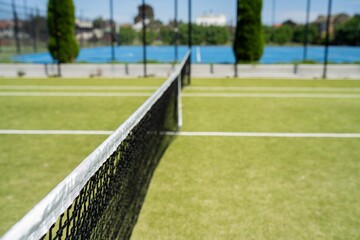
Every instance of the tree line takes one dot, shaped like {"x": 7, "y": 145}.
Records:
{"x": 248, "y": 37}
{"x": 345, "y": 32}
{"x": 165, "y": 35}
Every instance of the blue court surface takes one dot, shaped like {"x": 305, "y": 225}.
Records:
{"x": 202, "y": 54}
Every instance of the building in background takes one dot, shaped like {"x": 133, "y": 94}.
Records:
{"x": 321, "y": 24}
{"x": 211, "y": 19}
{"x": 7, "y": 29}
{"x": 84, "y": 29}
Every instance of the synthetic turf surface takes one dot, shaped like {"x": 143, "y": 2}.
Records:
{"x": 204, "y": 187}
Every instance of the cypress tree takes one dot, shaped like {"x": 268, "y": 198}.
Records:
{"x": 249, "y": 40}
{"x": 61, "y": 26}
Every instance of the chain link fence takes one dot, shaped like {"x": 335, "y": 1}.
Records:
{"x": 23, "y": 30}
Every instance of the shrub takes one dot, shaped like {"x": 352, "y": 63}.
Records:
{"x": 61, "y": 21}
{"x": 249, "y": 39}
{"x": 127, "y": 35}
{"x": 282, "y": 35}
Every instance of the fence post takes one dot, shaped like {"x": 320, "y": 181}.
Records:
{"x": 296, "y": 68}
{"x": 144, "y": 37}
{"x": 57, "y": 38}
{"x": 327, "y": 40}
{"x": 16, "y": 28}
{"x": 33, "y": 22}
{"x": 126, "y": 68}
{"x": 306, "y": 38}
{"x": 190, "y": 37}
{"x": 176, "y": 32}
{"x": 112, "y": 31}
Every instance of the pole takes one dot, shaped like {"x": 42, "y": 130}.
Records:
{"x": 190, "y": 39}
{"x": 27, "y": 26}
{"x": 33, "y": 32}
{"x": 58, "y": 36}
{"x": 112, "y": 31}
{"x": 235, "y": 25}
{"x": 118, "y": 36}
{"x": 326, "y": 55}
{"x": 190, "y": 27}
{"x": 176, "y": 31}
{"x": 16, "y": 28}
{"x": 37, "y": 35}
{"x": 306, "y": 38}
{"x": 81, "y": 28}
{"x": 33, "y": 22}
{"x": 143, "y": 15}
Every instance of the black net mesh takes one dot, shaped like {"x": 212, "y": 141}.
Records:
{"x": 109, "y": 204}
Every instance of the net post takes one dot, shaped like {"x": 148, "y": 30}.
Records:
{"x": 180, "y": 117}
{"x": 189, "y": 64}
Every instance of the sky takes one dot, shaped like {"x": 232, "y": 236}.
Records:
{"x": 124, "y": 11}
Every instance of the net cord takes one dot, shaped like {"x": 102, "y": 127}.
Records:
{"x": 39, "y": 219}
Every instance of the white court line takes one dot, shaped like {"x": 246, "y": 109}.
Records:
{"x": 266, "y": 134}
{"x": 271, "y": 95}
{"x": 192, "y": 134}
{"x": 56, "y": 132}
{"x": 219, "y": 95}
{"x": 248, "y": 88}
{"x": 72, "y": 94}
{"x": 200, "y": 88}
{"x": 49, "y": 87}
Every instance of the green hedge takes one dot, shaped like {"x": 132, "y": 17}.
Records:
{"x": 249, "y": 39}
{"x": 61, "y": 21}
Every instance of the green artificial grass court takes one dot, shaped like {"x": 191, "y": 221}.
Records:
{"x": 82, "y": 81}
{"x": 66, "y": 113}
{"x": 254, "y": 188}
{"x": 271, "y": 115}
{"x": 32, "y": 165}
{"x": 204, "y": 187}
{"x": 273, "y": 82}
{"x": 70, "y": 113}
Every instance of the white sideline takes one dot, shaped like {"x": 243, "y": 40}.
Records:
{"x": 191, "y": 134}
{"x": 219, "y": 95}
{"x": 250, "y": 88}
{"x": 55, "y": 132}
{"x": 50, "y": 87}
{"x": 271, "y": 95}
{"x": 266, "y": 134}
{"x": 72, "y": 94}
{"x": 191, "y": 88}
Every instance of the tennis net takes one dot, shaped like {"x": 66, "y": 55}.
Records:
{"x": 102, "y": 197}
